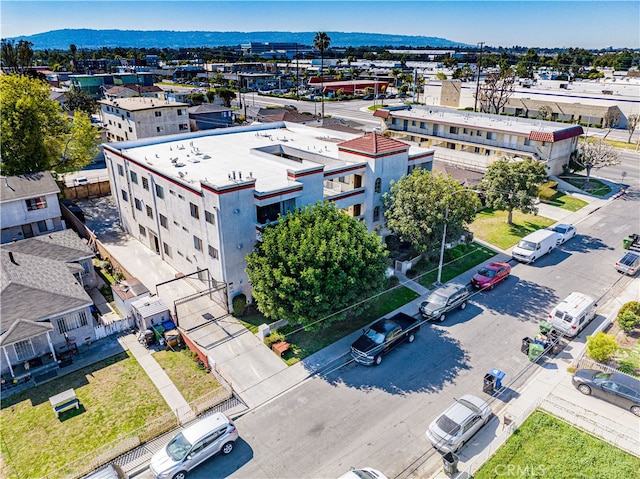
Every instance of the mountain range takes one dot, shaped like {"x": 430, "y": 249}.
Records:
{"x": 93, "y": 39}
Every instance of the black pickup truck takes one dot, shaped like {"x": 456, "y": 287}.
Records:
{"x": 382, "y": 336}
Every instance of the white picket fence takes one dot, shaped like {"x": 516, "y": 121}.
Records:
{"x": 112, "y": 327}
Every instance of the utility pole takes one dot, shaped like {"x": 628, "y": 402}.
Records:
{"x": 297, "y": 74}
{"x": 478, "y": 64}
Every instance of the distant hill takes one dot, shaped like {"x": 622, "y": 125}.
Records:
{"x": 92, "y": 39}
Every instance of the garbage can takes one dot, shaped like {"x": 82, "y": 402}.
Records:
{"x": 524, "y": 348}
{"x": 545, "y": 327}
{"x": 627, "y": 242}
{"x": 499, "y": 375}
{"x": 535, "y": 351}
{"x": 489, "y": 383}
{"x": 450, "y": 462}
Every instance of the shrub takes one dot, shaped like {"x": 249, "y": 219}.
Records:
{"x": 412, "y": 273}
{"x": 629, "y": 316}
{"x": 273, "y": 338}
{"x": 601, "y": 347}
{"x": 239, "y": 304}
{"x": 628, "y": 368}
{"x": 545, "y": 193}
{"x": 392, "y": 281}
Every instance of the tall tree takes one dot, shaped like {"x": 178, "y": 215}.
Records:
{"x": 632, "y": 124}
{"x": 73, "y": 49}
{"x": 81, "y": 145}
{"x": 610, "y": 121}
{"x": 35, "y": 133}
{"x": 418, "y": 205}
{"x": 321, "y": 42}
{"x": 312, "y": 264}
{"x": 595, "y": 155}
{"x": 512, "y": 184}
{"x": 496, "y": 90}
{"x": 226, "y": 95}
{"x": 16, "y": 58}
{"x": 80, "y": 100}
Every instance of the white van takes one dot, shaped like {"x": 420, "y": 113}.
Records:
{"x": 534, "y": 245}
{"x": 573, "y": 314}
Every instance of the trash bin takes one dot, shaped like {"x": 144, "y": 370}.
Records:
{"x": 488, "y": 385}
{"x": 524, "y": 348}
{"x": 499, "y": 375}
{"x": 626, "y": 242}
{"x": 535, "y": 351}
{"x": 545, "y": 327}
{"x": 450, "y": 462}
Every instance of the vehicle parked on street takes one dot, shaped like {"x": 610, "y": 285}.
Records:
{"x": 617, "y": 388}
{"x": 571, "y": 315}
{"x": 382, "y": 336}
{"x": 453, "y": 428}
{"x": 535, "y": 245}
{"x": 564, "y": 232}
{"x": 444, "y": 299}
{"x": 490, "y": 275}
{"x": 364, "y": 473}
{"x": 194, "y": 445}
{"x": 629, "y": 263}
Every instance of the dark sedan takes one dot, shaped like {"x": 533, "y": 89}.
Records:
{"x": 616, "y": 388}
{"x": 490, "y": 275}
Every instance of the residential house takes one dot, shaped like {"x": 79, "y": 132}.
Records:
{"x": 128, "y": 91}
{"x": 201, "y": 200}
{"x": 208, "y": 116}
{"x": 137, "y": 117}
{"x": 475, "y": 140}
{"x": 29, "y": 206}
{"x": 44, "y": 307}
{"x": 126, "y": 292}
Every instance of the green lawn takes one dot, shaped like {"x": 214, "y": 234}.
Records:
{"x": 567, "y": 202}
{"x": 116, "y": 397}
{"x": 191, "y": 381}
{"x": 594, "y": 187}
{"x": 546, "y": 447}
{"x": 490, "y": 226}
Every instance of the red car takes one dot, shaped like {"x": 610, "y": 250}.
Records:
{"x": 490, "y": 275}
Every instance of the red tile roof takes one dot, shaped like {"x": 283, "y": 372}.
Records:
{"x": 382, "y": 113}
{"x": 556, "y": 135}
{"x": 373, "y": 143}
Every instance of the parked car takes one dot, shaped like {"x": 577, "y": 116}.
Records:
{"x": 291, "y": 107}
{"x": 367, "y": 97}
{"x": 629, "y": 263}
{"x": 444, "y": 299}
{"x": 81, "y": 180}
{"x": 564, "y": 232}
{"x": 490, "y": 275}
{"x": 364, "y": 473}
{"x": 453, "y": 428}
{"x": 382, "y": 336}
{"x": 617, "y": 388}
{"x": 534, "y": 246}
{"x": 194, "y": 445}
{"x": 571, "y": 315}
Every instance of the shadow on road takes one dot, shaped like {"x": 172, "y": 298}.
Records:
{"x": 532, "y": 300}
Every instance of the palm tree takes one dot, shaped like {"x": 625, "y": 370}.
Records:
{"x": 322, "y": 42}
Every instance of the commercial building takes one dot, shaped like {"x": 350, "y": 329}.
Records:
{"x": 475, "y": 140}
{"x": 201, "y": 200}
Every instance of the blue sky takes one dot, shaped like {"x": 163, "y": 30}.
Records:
{"x": 573, "y": 23}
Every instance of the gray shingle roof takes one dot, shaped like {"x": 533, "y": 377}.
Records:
{"x": 27, "y": 186}
{"x": 63, "y": 245}
{"x": 23, "y": 329}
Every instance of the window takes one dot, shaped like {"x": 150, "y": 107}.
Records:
{"x": 122, "y": 117}
{"x": 376, "y": 213}
{"x": 145, "y": 183}
{"x": 143, "y": 231}
{"x": 159, "y": 191}
{"x": 119, "y": 125}
{"x": 465, "y": 131}
{"x": 125, "y": 196}
{"x": 478, "y": 133}
{"x": 491, "y": 135}
{"x": 183, "y": 127}
{"x": 527, "y": 142}
{"x": 134, "y": 177}
{"x": 197, "y": 243}
{"x": 24, "y": 350}
{"x": 46, "y": 225}
{"x": 163, "y": 221}
{"x": 453, "y": 129}
{"x": 74, "y": 321}
{"x": 128, "y": 115}
{"x": 38, "y": 203}
{"x": 149, "y": 212}
{"x": 158, "y": 113}
{"x": 130, "y": 130}
{"x": 343, "y": 179}
{"x": 167, "y": 249}
{"x": 213, "y": 252}
{"x": 138, "y": 204}
{"x": 158, "y": 129}
{"x": 378, "y": 186}
{"x": 194, "y": 211}
{"x": 120, "y": 170}
{"x": 180, "y": 112}
{"x": 209, "y": 217}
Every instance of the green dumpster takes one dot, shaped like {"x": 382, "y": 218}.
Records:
{"x": 535, "y": 351}
{"x": 626, "y": 242}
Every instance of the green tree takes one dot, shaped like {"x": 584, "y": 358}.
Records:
{"x": 211, "y": 95}
{"x": 629, "y": 316}
{"x": 16, "y": 58}
{"x": 395, "y": 73}
{"x": 81, "y": 145}
{"x": 545, "y": 112}
{"x": 226, "y": 95}
{"x": 441, "y": 76}
{"x": 601, "y": 346}
{"x": 418, "y": 205}
{"x": 590, "y": 155}
{"x": 33, "y": 127}
{"x": 79, "y": 100}
{"x": 321, "y": 42}
{"x": 526, "y": 66}
{"x": 314, "y": 263}
{"x": 512, "y": 184}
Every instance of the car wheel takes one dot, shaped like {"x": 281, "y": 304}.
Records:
{"x": 584, "y": 389}
{"x": 377, "y": 360}
{"x": 411, "y": 338}
{"x": 491, "y": 287}
{"x": 227, "y": 448}
{"x": 635, "y": 410}
{"x": 180, "y": 475}
{"x": 442, "y": 316}
{"x": 464, "y": 303}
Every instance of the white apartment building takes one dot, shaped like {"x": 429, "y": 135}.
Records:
{"x": 139, "y": 117}
{"x": 475, "y": 140}
{"x": 201, "y": 200}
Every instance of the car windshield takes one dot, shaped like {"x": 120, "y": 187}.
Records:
{"x": 375, "y": 336}
{"x": 447, "y": 425}
{"x": 363, "y": 474}
{"x": 437, "y": 299}
{"x": 560, "y": 229}
{"x": 486, "y": 272}
{"x": 528, "y": 245}
{"x": 178, "y": 447}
